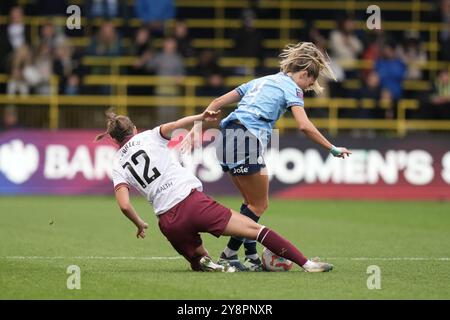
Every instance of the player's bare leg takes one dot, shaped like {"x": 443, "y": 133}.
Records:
{"x": 240, "y": 188}
{"x": 255, "y": 191}
{"x": 242, "y": 226}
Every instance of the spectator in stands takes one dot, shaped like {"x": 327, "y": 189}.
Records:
{"x": 412, "y": 55}
{"x": 440, "y": 98}
{"x": 13, "y": 37}
{"x": 155, "y": 13}
{"x": 207, "y": 64}
{"x": 215, "y": 86}
{"x": 66, "y": 68}
{"x": 370, "y": 90}
{"x": 142, "y": 48}
{"x": 154, "y": 10}
{"x": 72, "y": 87}
{"x": 181, "y": 34}
{"x": 345, "y": 45}
{"x": 10, "y": 119}
{"x": 20, "y": 70}
{"x": 143, "y": 42}
{"x": 103, "y": 8}
{"x": 50, "y": 37}
{"x": 106, "y": 43}
{"x": 391, "y": 71}
{"x": 248, "y": 40}
{"x": 443, "y": 16}
{"x": 373, "y": 43}
{"x": 43, "y": 64}
{"x": 17, "y": 33}
{"x": 167, "y": 63}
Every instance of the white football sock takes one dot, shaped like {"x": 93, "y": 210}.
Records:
{"x": 309, "y": 264}
{"x": 229, "y": 253}
{"x": 252, "y": 256}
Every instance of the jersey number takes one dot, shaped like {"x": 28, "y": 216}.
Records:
{"x": 145, "y": 175}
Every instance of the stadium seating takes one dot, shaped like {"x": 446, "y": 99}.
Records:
{"x": 213, "y": 31}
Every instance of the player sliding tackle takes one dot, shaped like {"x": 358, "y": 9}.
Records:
{"x": 247, "y": 131}
{"x": 144, "y": 162}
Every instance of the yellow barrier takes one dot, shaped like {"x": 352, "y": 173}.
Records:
{"x": 312, "y": 5}
{"x": 190, "y": 102}
{"x": 252, "y": 63}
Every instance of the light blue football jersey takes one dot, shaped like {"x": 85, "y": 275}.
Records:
{"x": 264, "y": 100}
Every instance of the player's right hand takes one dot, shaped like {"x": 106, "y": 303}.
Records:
{"x": 141, "y": 230}
{"x": 210, "y": 115}
{"x": 191, "y": 140}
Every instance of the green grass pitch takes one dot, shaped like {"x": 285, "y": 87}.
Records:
{"x": 41, "y": 236}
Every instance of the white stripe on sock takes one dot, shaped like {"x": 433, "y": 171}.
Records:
{"x": 252, "y": 256}
{"x": 264, "y": 237}
{"x": 228, "y": 252}
{"x": 257, "y": 236}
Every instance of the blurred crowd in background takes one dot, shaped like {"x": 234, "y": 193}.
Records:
{"x": 29, "y": 66}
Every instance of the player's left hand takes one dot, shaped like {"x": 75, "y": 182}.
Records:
{"x": 141, "y": 230}
{"x": 209, "y": 115}
{"x": 343, "y": 152}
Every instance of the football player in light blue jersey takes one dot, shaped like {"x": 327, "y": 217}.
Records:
{"x": 247, "y": 130}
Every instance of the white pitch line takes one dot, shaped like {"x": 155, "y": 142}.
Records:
{"x": 87, "y": 258}
{"x": 180, "y": 257}
{"x": 390, "y": 259}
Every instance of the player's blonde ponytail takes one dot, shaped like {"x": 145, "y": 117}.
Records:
{"x": 117, "y": 126}
{"x": 306, "y": 56}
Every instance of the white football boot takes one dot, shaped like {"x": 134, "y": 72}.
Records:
{"x": 318, "y": 266}
{"x": 208, "y": 265}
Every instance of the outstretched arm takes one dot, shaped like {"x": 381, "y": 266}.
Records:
{"x": 222, "y": 101}
{"x": 168, "y": 128}
{"x": 310, "y": 130}
{"x": 123, "y": 199}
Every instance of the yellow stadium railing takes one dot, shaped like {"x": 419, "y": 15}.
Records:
{"x": 251, "y": 63}
{"x": 124, "y": 61}
{"x": 303, "y": 4}
{"x": 189, "y": 102}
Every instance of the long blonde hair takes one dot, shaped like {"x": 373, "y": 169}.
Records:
{"x": 306, "y": 56}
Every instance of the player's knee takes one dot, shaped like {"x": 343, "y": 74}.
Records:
{"x": 266, "y": 204}
{"x": 255, "y": 228}
{"x": 260, "y": 207}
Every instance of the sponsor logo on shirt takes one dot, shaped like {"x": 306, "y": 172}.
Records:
{"x": 164, "y": 187}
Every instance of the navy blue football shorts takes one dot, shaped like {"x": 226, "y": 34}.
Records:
{"x": 239, "y": 151}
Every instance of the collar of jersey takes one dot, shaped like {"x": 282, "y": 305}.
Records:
{"x": 126, "y": 140}
{"x": 291, "y": 79}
